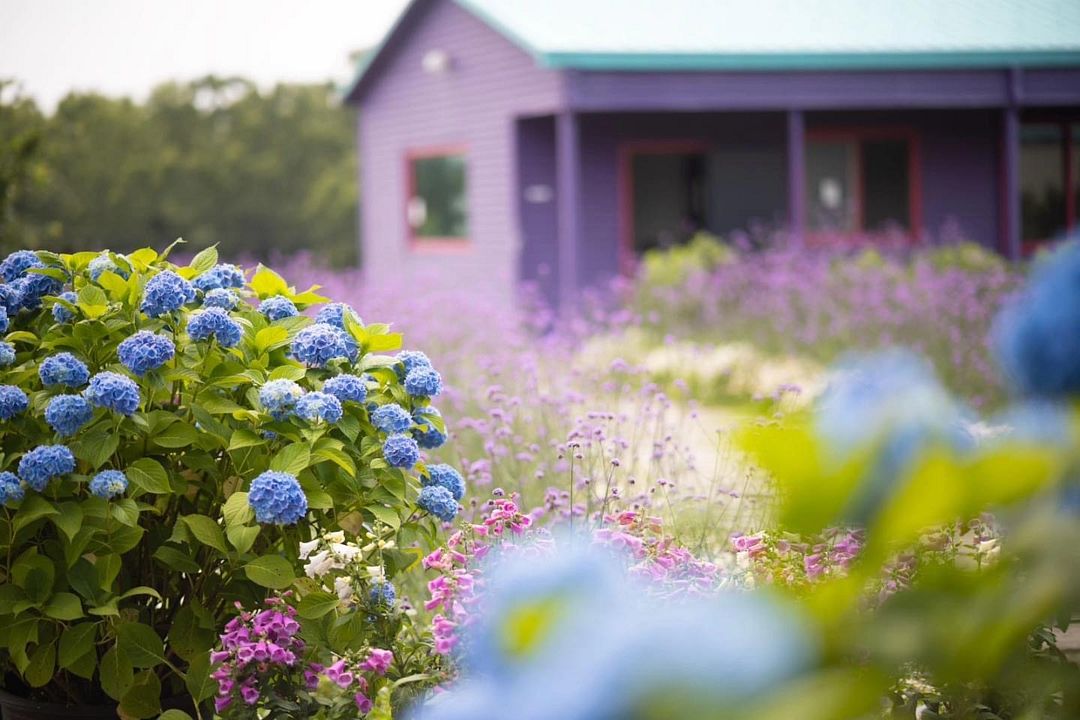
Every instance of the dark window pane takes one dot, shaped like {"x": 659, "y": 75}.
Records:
{"x": 438, "y": 207}
{"x": 886, "y": 202}
{"x": 669, "y": 199}
{"x": 830, "y": 186}
{"x": 1042, "y": 187}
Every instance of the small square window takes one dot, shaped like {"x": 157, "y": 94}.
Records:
{"x": 437, "y": 207}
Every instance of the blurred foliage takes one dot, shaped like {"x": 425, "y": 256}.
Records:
{"x": 672, "y": 266}
{"x": 215, "y": 161}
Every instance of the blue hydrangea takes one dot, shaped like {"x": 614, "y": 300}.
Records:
{"x": 427, "y": 435}
{"x": 347, "y": 388}
{"x": 447, "y": 477}
{"x": 113, "y": 391}
{"x": 279, "y": 397}
{"x": 215, "y": 322}
{"x": 401, "y": 451}
{"x": 11, "y": 487}
{"x": 278, "y": 307}
{"x": 318, "y": 344}
{"x": 109, "y": 484}
{"x": 63, "y": 369}
{"x": 383, "y": 595}
{"x": 35, "y": 286}
{"x": 102, "y": 264}
{"x": 277, "y": 498}
{"x": 5, "y": 321}
{"x": 60, "y": 312}
{"x": 66, "y": 414}
{"x": 221, "y": 298}
{"x": 166, "y": 292}
{"x": 44, "y": 463}
{"x": 17, "y": 263}
{"x": 7, "y": 354}
{"x": 334, "y": 314}
{"x": 10, "y": 298}
{"x": 438, "y": 501}
{"x": 1037, "y": 338}
{"x": 410, "y": 360}
{"x": 145, "y": 351}
{"x": 220, "y": 276}
{"x": 319, "y": 406}
{"x": 13, "y": 401}
{"x": 423, "y": 382}
{"x": 391, "y": 418}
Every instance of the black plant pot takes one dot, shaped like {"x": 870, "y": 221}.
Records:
{"x": 13, "y": 707}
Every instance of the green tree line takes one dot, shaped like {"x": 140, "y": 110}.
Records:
{"x": 212, "y": 161}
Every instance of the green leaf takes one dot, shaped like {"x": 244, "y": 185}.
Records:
{"x": 85, "y": 665}
{"x": 117, "y": 673}
{"x": 236, "y": 510}
{"x": 265, "y": 282}
{"x": 174, "y": 715}
{"x": 149, "y": 476}
{"x": 287, "y": 372}
{"x": 242, "y": 438}
{"x": 204, "y": 260}
{"x": 385, "y": 515}
{"x": 34, "y": 574}
{"x": 242, "y": 537}
{"x": 34, "y": 507}
{"x": 75, "y": 642}
{"x": 64, "y": 606}
{"x": 337, "y": 457}
{"x": 96, "y": 447}
{"x": 93, "y": 302}
{"x": 384, "y": 343}
{"x": 206, "y": 531}
{"x": 143, "y": 698}
{"x": 198, "y": 680}
{"x": 42, "y": 664}
{"x": 177, "y": 435}
{"x": 270, "y": 338}
{"x": 317, "y": 604}
{"x": 271, "y": 571}
{"x": 126, "y": 511}
{"x": 69, "y": 519}
{"x": 141, "y": 590}
{"x": 142, "y": 646}
{"x": 177, "y": 559}
{"x": 292, "y": 459}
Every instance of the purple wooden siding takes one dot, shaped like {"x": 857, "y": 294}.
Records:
{"x": 474, "y": 104}
{"x": 539, "y": 223}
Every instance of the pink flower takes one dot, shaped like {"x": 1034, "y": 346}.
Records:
{"x": 378, "y": 661}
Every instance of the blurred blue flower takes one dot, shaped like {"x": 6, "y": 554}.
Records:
{"x": 17, "y": 263}
{"x": 145, "y": 351}
{"x": 318, "y": 344}
{"x": 316, "y": 406}
{"x": 11, "y": 487}
{"x": 10, "y": 298}
{"x": 7, "y": 354}
{"x": 401, "y": 451}
{"x": 347, "y": 387}
{"x": 383, "y": 595}
{"x": 1037, "y": 337}
{"x": 278, "y": 307}
{"x": 166, "y": 292}
{"x": 102, "y": 264}
{"x": 44, "y": 463}
{"x": 277, "y": 498}
{"x": 423, "y": 382}
{"x": 438, "y": 501}
{"x": 214, "y": 322}
{"x": 13, "y": 401}
{"x": 63, "y": 369}
{"x": 279, "y": 397}
{"x": 391, "y": 418}
{"x": 113, "y": 391}
{"x": 60, "y": 312}
{"x": 443, "y": 475}
{"x": 427, "y": 435}
{"x": 410, "y": 360}
{"x": 334, "y": 314}
{"x": 66, "y": 414}
{"x": 221, "y": 298}
{"x": 109, "y": 484}
{"x": 220, "y": 276}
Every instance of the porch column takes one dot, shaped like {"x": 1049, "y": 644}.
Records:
{"x": 796, "y": 168}
{"x": 568, "y": 204}
{"x": 1010, "y": 186}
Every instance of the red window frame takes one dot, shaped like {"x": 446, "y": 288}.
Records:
{"x": 857, "y": 135}
{"x": 427, "y": 244}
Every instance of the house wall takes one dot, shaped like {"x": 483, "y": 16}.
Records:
{"x": 474, "y": 104}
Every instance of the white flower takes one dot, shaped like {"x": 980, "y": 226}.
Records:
{"x": 343, "y": 588}
{"x": 375, "y": 572}
{"x": 345, "y": 552}
{"x": 335, "y": 537}
{"x": 320, "y": 564}
{"x": 306, "y": 548}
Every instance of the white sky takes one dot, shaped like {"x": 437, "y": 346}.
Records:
{"x": 125, "y": 47}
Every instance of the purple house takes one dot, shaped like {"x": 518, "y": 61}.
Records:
{"x": 556, "y": 140}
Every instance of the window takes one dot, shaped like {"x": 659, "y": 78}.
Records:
{"x": 860, "y": 182}
{"x": 1049, "y": 179}
{"x": 437, "y": 208}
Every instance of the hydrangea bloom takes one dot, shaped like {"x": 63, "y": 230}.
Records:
{"x": 217, "y": 323}
{"x": 410, "y": 360}
{"x": 67, "y": 413}
{"x": 220, "y": 276}
{"x": 17, "y": 263}
{"x": 102, "y": 264}
{"x": 113, "y": 391}
{"x": 7, "y": 354}
{"x": 221, "y": 298}
{"x": 166, "y": 292}
{"x": 423, "y": 382}
{"x": 44, "y": 463}
{"x": 318, "y": 344}
{"x": 11, "y": 487}
{"x": 13, "y": 401}
{"x": 1036, "y": 338}
{"x": 35, "y": 286}
{"x": 63, "y": 369}
{"x": 277, "y": 498}
{"x": 334, "y": 314}
{"x": 278, "y": 307}
{"x": 438, "y": 501}
{"x": 427, "y": 435}
{"x": 383, "y": 595}
{"x": 279, "y": 397}
{"x": 391, "y": 418}
{"x": 109, "y": 484}
{"x": 401, "y": 451}
{"x": 319, "y": 406}
{"x": 446, "y": 476}
{"x": 347, "y": 387}
{"x": 5, "y": 321}
{"x": 60, "y": 312}
{"x": 10, "y": 298}
{"x": 145, "y": 351}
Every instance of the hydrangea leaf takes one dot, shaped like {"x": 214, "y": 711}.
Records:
{"x": 207, "y": 531}
{"x": 75, "y": 642}
{"x": 236, "y": 510}
{"x": 64, "y": 606}
{"x": 266, "y": 283}
{"x": 141, "y": 644}
{"x": 292, "y": 459}
{"x": 148, "y": 475}
{"x": 42, "y": 664}
{"x": 143, "y": 698}
{"x": 242, "y": 537}
{"x": 317, "y": 604}
{"x": 198, "y": 680}
{"x": 271, "y": 571}
{"x": 204, "y": 260}
{"x": 116, "y": 672}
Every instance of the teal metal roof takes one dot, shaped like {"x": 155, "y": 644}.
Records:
{"x": 787, "y": 34}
